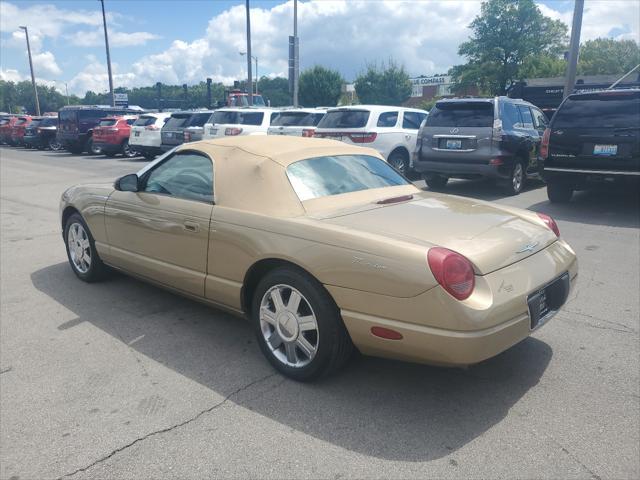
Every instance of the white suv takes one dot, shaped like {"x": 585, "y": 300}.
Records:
{"x": 300, "y": 122}
{"x": 239, "y": 121}
{"x": 145, "y": 134}
{"x": 393, "y": 131}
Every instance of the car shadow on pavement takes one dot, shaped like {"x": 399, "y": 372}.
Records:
{"x": 482, "y": 189}
{"x": 608, "y": 205}
{"x": 375, "y": 407}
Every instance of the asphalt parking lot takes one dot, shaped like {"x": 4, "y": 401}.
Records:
{"x": 123, "y": 380}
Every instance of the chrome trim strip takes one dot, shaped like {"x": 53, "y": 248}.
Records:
{"x": 453, "y": 150}
{"x": 605, "y": 172}
{"x": 455, "y": 136}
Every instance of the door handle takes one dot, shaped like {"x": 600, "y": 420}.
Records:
{"x": 191, "y": 226}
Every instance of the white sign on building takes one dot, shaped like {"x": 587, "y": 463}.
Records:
{"x": 442, "y": 82}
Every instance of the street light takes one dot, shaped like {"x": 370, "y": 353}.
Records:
{"x": 256, "y": 59}
{"x": 33, "y": 77}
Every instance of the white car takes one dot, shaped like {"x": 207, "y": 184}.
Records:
{"x": 239, "y": 121}
{"x": 393, "y": 131}
{"x": 300, "y": 122}
{"x": 145, "y": 134}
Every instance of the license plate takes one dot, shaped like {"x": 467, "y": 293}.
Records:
{"x": 544, "y": 303}
{"x": 605, "y": 150}
{"x": 453, "y": 144}
{"x": 136, "y": 134}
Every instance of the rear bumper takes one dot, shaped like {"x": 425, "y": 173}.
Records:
{"x": 453, "y": 169}
{"x": 581, "y": 178}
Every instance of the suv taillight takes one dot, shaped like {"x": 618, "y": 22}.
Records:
{"x": 363, "y": 137}
{"x": 187, "y": 136}
{"x": 151, "y": 127}
{"x": 497, "y": 130}
{"x": 544, "y": 144}
{"x": 308, "y": 132}
{"x": 233, "y": 131}
{"x": 550, "y": 223}
{"x": 452, "y": 271}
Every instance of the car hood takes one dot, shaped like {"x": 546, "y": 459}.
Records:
{"x": 491, "y": 237}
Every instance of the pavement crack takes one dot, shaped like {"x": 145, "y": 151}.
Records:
{"x": 170, "y": 428}
{"x": 6, "y": 370}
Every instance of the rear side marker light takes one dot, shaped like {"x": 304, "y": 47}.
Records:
{"x": 452, "y": 271}
{"x": 550, "y": 223}
{"x": 496, "y": 161}
{"x": 386, "y": 333}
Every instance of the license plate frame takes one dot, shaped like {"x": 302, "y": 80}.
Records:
{"x": 453, "y": 144}
{"x": 605, "y": 150}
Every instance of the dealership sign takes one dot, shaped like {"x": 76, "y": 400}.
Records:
{"x": 121, "y": 99}
{"x": 441, "y": 82}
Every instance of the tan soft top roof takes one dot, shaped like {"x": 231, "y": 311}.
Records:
{"x": 250, "y": 171}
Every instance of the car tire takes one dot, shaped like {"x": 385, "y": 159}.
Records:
{"x": 302, "y": 342}
{"x": 127, "y": 151}
{"x": 90, "y": 148}
{"x": 55, "y": 145}
{"x": 559, "y": 192}
{"x": 435, "y": 181}
{"x": 399, "y": 161}
{"x": 517, "y": 178}
{"x": 81, "y": 250}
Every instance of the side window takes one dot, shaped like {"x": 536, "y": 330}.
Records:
{"x": 527, "y": 119}
{"x": 539, "y": 119}
{"x": 186, "y": 175}
{"x": 273, "y": 116}
{"x": 510, "y": 116}
{"x": 388, "y": 119}
{"x": 131, "y": 121}
{"x": 412, "y": 120}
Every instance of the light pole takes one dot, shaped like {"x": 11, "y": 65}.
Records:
{"x": 296, "y": 53}
{"x": 106, "y": 43}
{"x": 256, "y": 59}
{"x": 33, "y": 77}
{"x": 66, "y": 89}
{"x": 249, "y": 56}
{"x": 574, "y": 47}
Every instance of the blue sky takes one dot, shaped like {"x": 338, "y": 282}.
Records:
{"x": 185, "y": 41}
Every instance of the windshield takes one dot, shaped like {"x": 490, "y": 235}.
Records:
{"x": 600, "y": 110}
{"x": 49, "y": 122}
{"x": 107, "y": 122}
{"x": 333, "y": 175}
{"x": 144, "y": 121}
{"x": 344, "y": 119}
{"x": 35, "y": 122}
{"x": 237, "y": 118}
{"x": 461, "y": 114}
{"x": 297, "y": 119}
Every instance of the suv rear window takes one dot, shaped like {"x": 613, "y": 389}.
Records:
{"x": 199, "y": 119}
{"x": 49, "y": 122}
{"x": 345, "y": 119}
{"x": 107, "y": 123}
{"x": 177, "y": 121}
{"x": 237, "y": 118}
{"x": 296, "y": 119}
{"x": 21, "y": 121}
{"x": 599, "y": 110}
{"x": 4, "y": 121}
{"x": 145, "y": 121}
{"x": 461, "y": 114}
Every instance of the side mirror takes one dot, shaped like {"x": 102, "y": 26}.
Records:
{"x": 128, "y": 183}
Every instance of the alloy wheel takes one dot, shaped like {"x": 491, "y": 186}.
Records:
{"x": 289, "y": 326}
{"x": 517, "y": 177}
{"x": 79, "y": 247}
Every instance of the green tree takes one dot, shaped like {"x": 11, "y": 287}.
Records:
{"x": 275, "y": 90}
{"x": 504, "y": 36}
{"x": 605, "y": 56}
{"x": 544, "y": 65}
{"x": 319, "y": 86}
{"x": 384, "y": 85}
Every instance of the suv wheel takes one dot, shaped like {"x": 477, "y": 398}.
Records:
{"x": 398, "y": 161}
{"x": 298, "y": 325}
{"x": 559, "y": 192}
{"x": 90, "y": 148}
{"x": 55, "y": 145}
{"x": 435, "y": 181}
{"x": 516, "y": 179}
{"x": 127, "y": 151}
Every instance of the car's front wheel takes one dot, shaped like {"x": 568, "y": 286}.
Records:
{"x": 298, "y": 325}
{"x": 435, "y": 181}
{"x": 81, "y": 250}
{"x": 559, "y": 192}
{"x": 55, "y": 145}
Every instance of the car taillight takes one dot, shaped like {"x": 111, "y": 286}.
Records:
{"x": 452, "y": 271}
{"x": 497, "y": 130}
{"x": 363, "y": 137}
{"x": 233, "y": 131}
{"x": 151, "y": 127}
{"x": 308, "y": 132}
{"x": 544, "y": 144}
{"x": 496, "y": 161}
{"x": 551, "y": 223}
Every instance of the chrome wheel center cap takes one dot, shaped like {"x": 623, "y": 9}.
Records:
{"x": 287, "y": 326}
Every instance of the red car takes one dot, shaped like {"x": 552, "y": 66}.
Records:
{"x": 111, "y": 136}
{"x": 18, "y": 129}
{"x": 6, "y": 124}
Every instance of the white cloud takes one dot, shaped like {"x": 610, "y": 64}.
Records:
{"x": 95, "y": 38}
{"x": 94, "y": 77}
{"x": 10, "y": 75}
{"x": 45, "y": 63}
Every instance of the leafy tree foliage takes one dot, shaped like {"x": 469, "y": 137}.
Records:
{"x": 319, "y": 86}
{"x": 17, "y": 96}
{"x": 605, "y": 56}
{"x": 275, "y": 90}
{"x": 504, "y": 36}
{"x": 384, "y": 85}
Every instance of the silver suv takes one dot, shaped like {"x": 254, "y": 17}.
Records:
{"x": 481, "y": 137}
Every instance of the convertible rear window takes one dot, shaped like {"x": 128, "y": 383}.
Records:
{"x": 333, "y": 175}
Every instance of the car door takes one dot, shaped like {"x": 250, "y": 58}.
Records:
{"x": 531, "y": 138}
{"x": 162, "y": 231}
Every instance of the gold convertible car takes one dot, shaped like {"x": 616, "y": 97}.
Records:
{"x": 325, "y": 247}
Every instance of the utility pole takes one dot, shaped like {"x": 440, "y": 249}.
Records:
{"x": 296, "y": 54}
{"x": 106, "y": 43}
{"x": 249, "y": 77}
{"x": 33, "y": 77}
{"x": 574, "y": 49}
{"x": 66, "y": 89}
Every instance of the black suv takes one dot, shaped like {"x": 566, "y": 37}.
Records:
{"x": 481, "y": 137}
{"x": 76, "y": 123}
{"x": 42, "y": 134}
{"x": 592, "y": 138}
